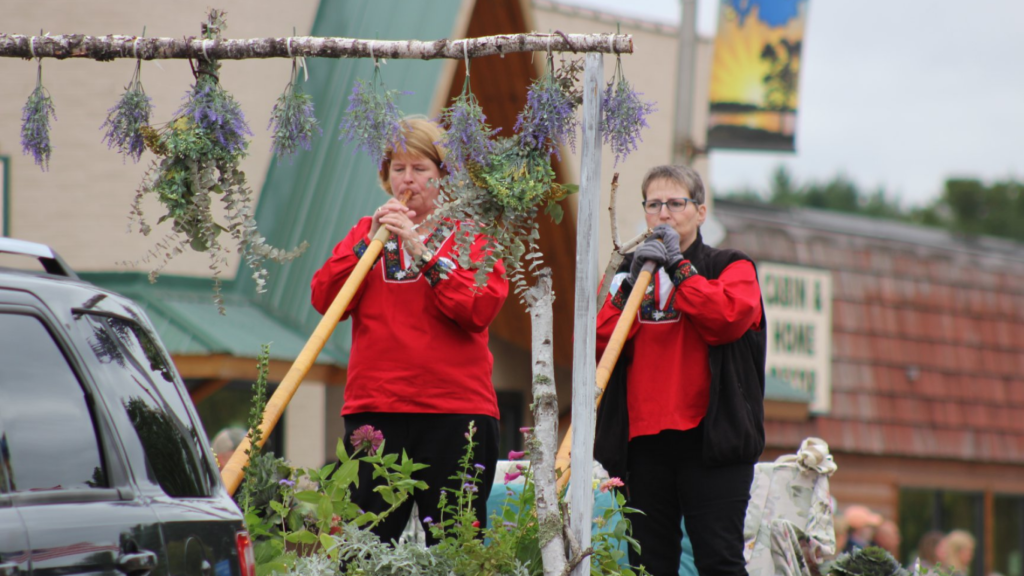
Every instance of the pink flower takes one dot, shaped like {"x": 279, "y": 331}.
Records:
{"x": 367, "y": 437}
{"x": 476, "y": 523}
{"x": 610, "y": 483}
{"x": 515, "y": 454}
{"x": 526, "y": 429}
{"x": 510, "y": 476}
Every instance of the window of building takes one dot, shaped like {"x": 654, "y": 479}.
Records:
{"x": 47, "y": 437}
{"x": 1008, "y": 535}
{"x": 922, "y": 510}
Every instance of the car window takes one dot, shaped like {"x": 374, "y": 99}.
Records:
{"x": 141, "y": 377}
{"x": 47, "y": 437}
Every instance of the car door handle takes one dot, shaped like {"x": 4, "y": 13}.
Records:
{"x": 9, "y": 569}
{"x": 137, "y": 563}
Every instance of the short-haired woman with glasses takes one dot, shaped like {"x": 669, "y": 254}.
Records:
{"x": 682, "y": 422}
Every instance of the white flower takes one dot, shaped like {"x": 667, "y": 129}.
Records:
{"x": 400, "y": 274}
{"x": 391, "y": 245}
{"x": 650, "y": 289}
{"x": 658, "y": 314}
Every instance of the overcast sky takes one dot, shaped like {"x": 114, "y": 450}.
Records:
{"x": 893, "y": 93}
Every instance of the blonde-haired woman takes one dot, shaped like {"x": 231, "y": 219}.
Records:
{"x": 956, "y": 551}
{"x": 419, "y": 368}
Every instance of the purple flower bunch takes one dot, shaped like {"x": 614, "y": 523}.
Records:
{"x": 367, "y": 437}
{"x": 467, "y": 136}
{"x": 125, "y": 120}
{"x": 293, "y": 120}
{"x": 549, "y": 119}
{"x": 623, "y": 115}
{"x": 372, "y": 119}
{"x": 35, "y": 124}
{"x": 215, "y": 111}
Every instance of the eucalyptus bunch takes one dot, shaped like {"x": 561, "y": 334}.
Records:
{"x": 293, "y": 119}
{"x": 623, "y": 114}
{"x": 499, "y": 195}
{"x": 372, "y": 119}
{"x": 35, "y": 122}
{"x": 200, "y": 153}
{"x": 127, "y": 118}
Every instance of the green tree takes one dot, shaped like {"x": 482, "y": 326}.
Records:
{"x": 967, "y": 206}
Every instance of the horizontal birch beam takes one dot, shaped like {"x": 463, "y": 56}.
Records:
{"x": 105, "y": 48}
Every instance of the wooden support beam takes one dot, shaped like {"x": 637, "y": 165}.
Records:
{"x": 224, "y": 366}
{"x": 105, "y": 48}
{"x": 207, "y": 389}
{"x": 584, "y": 367}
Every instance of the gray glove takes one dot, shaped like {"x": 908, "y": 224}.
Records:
{"x": 653, "y": 250}
{"x": 670, "y": 238}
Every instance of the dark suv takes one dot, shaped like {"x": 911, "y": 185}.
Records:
{"x": 104, "y": 465}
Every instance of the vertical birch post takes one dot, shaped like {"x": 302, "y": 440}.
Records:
{"x": 545, "y": 430}
{"x": 581, "y": 492}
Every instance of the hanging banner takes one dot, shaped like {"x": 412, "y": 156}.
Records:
{"x": 755, "y": 74}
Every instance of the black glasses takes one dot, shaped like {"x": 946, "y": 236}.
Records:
{"x": 674, "y": 205}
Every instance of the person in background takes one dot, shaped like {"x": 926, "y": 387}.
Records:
{"x": 694, "y": 385}
{"x": 225, "y": 442}
{"x": 420, "y": 368}
{"x": 887, "y": 537}
{"x": 956, "y": 550}
{"x": 862, "y": 522}
{"x": 842, "y": 528}
{"x": 927, "y": 550}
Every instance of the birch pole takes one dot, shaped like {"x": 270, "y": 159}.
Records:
{"x": 105, "y": 48}
{"x": 581, "y": 493}
{"x": 539, "y": 298}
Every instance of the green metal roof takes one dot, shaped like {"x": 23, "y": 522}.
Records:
{"x": 316, "y": 196}
{"x": 183, "y": 313}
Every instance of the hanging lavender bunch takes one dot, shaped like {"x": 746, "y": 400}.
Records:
{"x": 199, "y": 159}
{"x": 293, "y": 120}
{"x": 467, "y": 136}
{"x": 35, "y": 123}
{"x": 549, "y": 119}
{"x": 125, "y": 120}
{"x": 623, "y": 114}
{"x": 214, "y": 110}
{"x": 372, "y": 118}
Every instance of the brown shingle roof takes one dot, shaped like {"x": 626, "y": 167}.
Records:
{"x": 928, "y": 333}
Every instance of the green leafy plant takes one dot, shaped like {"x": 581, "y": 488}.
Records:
{"x": 200, "y": 153}
{"x": 870, "y": 561}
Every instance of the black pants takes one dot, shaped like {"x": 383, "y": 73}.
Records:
{"x": 668, "y": 482}
{"x": 437, "y": 440}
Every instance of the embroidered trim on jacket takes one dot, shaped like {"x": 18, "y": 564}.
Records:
{"x": 682, "y": 272}
{"x": 360, "y": 248}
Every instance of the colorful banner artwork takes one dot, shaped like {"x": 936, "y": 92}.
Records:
{"x": 755, "y": 74}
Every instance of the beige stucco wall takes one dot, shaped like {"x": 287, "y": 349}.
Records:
{"x": 80, "y": 206}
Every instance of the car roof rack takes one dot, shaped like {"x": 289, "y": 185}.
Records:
{"x": 52, "y": 263}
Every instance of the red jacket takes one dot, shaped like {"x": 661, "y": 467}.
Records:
{"x": 680, "y": 316}
{"x": 419, "y": 341}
